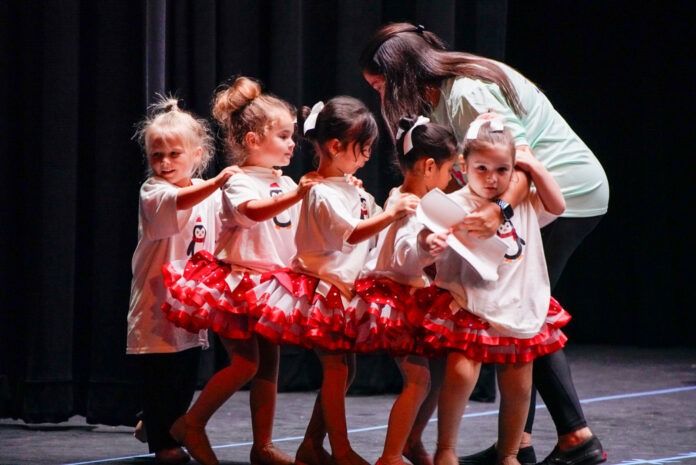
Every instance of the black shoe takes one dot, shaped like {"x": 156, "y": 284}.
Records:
{"x": 525, "y": 456}
{"x": 589, "y": 452}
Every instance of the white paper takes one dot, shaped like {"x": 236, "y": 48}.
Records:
{"x": 439, "y": 213}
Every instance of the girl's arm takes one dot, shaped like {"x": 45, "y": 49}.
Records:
{"x": 368, "y": 227}
{"x": 267, "y": 208}
{"x": 547, "y": 188}
{"x": 190, "y": 196}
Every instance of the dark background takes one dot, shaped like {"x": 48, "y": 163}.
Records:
{"x": 77, "y": 75}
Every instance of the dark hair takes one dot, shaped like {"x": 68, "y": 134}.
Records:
{"x": 241, "y": 106}
{"x": 429, "y": 140}
{"x": 344, "y": 118}
{"x": 487, "y": 138}
{"x": 411, "y": 59}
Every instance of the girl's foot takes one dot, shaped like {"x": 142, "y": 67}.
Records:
{"x": 382, "y": 461}
{"x": 417, "y": 455}
{"x": 174, "y": 456}
{"x": 139, "y": 432}
{"x": 349, "y": 458}
{"x": 445, "y": 456}
{"x": 269, "y": 454}
{"x": 308, "y": 454}
{"x": 195, "y": 440}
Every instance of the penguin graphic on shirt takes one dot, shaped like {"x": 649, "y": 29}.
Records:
{"x": 515, "y": 244}
{"x": 363, "y": 208}
{"x": 282, "y": 219}
{"x": 199, "y": 233}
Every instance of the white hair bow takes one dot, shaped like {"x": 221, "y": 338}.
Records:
{"x": 311, "y": 120}
{"x": 497, "y": 125}
{"x": 408, "y": 142}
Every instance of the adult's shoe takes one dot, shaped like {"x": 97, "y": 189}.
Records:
{"x": 589, "y": 452}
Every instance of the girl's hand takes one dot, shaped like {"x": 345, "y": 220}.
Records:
{"x": 226, "y": 174}
{"x": 307, "y": 181}
{"x": 357, "y": 182}
{"x": 526, "y": 161}
{"x": 435, "y": 244}
{"x": 483, "y": 222}
{"x": 406, "y": 205}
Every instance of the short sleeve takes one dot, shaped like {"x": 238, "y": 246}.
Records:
{"x": 238, "y": 190}
{"x": 160, "y": 218}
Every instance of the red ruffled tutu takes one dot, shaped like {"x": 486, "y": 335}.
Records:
{"x": 390, "y": 316}
{"x": 478, "y": 340}
{"x": 300, "y": 309}
{"x": 201, "y": 297}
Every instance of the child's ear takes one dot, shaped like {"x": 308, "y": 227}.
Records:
{"x": 462, "y": 163}
{"x": 334, "y": 146}
{"x": 429, "y": 166}
{"x": 251, "y": 139}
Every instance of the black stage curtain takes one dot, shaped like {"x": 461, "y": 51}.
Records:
{"x": 77, "y": 75}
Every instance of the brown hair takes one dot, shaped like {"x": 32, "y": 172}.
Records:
{"x": 242, "y": 107}
{"x": 411, "y": 58}
{"x": 344, "y": 118}
{"x": 487, "y": 137}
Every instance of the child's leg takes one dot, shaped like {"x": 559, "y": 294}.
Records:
{"x": 415, "y": 372}
{"x": 461, "y": 374}
{"x": 414, "y": 449}
{"x": 311, "y": 450}
{"x": 515, "y": 384}
{"x": 333, "y": 407}
{"x": 190, "y": 428}
{"x": 262, "y": 401}
{"x": 168, "y": 387}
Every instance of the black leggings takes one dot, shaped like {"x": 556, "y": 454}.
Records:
{"x": 552, "y": 377}
{"x": 169, "y": 383}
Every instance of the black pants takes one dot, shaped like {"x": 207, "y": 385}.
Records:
{"x": 552, "y": 377}
{"x": 169, "y": 382}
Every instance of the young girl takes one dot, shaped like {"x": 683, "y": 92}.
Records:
{"x": 176, "y": 213}
{"x": 508, "y": 321}
{"x": 259, "y": 215}
{"x": 395, "y": 291}
{"x": 336, "y": 222}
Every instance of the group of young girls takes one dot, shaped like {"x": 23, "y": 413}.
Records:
{"x": 319, "y": 264}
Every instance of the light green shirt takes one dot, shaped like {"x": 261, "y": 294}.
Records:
{"x": 579, "y": 174}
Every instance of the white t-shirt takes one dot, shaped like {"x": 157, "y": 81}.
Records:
{"x": 517, "y": 303}
{"x": 397, "y": 255}
{"x": 248, "y": 244}
{"x": 330, "y": 212}
{"x": 164, "y": 235}
{"x": 579, "y": 174}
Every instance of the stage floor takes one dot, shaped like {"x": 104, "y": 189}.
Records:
{"x": 641, "y": 403}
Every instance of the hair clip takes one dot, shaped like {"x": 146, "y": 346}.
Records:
{"x": 408, "y": 142}
{"x": 497, "y": 125}
{"x": 311, "y": 120}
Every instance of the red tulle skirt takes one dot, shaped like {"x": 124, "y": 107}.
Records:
{"x": 201, "y": 296}
{"x": 300, "y": 309}
{"x": 461, "y": 330}
{"x": 390, "y": 316}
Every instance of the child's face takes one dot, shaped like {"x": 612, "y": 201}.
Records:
{"x": 489, "y": 171}
{"x": 352, "y": 157}
{"x": 172, "y": 160}
{"x": 276, "y": 146}
{"x": 441, "y": 175}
